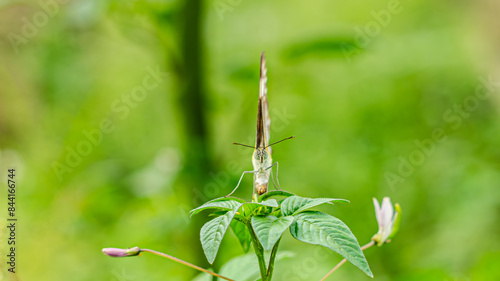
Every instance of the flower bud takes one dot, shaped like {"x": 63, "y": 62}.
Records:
{"x": 116, "y": 252}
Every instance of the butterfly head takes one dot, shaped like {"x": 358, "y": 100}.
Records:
{"x": 262, "y": 156}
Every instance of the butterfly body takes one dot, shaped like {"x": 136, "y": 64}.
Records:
{"x": 261, "y": 161}
{"x": 261, "y": 158}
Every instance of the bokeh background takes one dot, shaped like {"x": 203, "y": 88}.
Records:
{"x": 101, "y": 161}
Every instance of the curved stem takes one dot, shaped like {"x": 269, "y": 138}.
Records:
{"x": 185, "y": 263}
{"x": 259, "y": 251}
{"x": 344, "y": 260}
{"x": 272, "y": 259}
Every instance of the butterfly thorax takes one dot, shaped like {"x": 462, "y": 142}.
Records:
{"x": 261, "y": 161}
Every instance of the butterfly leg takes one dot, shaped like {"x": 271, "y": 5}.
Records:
{"x": 245, "y": 172}
{"x": 277, "y": 180}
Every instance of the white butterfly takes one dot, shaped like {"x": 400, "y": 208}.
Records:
{"x": 261, "y": 159}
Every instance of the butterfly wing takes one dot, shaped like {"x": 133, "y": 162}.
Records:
{"x": 264, "y": 107}
{"x": 260, "y": 140}
{"x": 261, "y": 159}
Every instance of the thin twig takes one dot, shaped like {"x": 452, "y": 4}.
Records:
{"x": 185, "y": 263}
{"x": 344, "y": 260}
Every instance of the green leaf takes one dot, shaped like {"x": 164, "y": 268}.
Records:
{"x": 246, "y": 267}
{"x": 275, "y": 193}
{"x": 250, "y": 207}
{"x": 241, "y": 232}
{"x": 269, "y": 229}
{"x": 268, "y": 203}
{"x": 223, "y": 203}
{"x": 295, "y": 204}
{"x": 323, "y": 46}
{"x": 321, "y": 229}
{"x": 212, "y": 232}
{"x": 203, "y": 276}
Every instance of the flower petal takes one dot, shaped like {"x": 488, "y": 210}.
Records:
{"x": 377, "y": 211}
{"x": 387, "y": 213}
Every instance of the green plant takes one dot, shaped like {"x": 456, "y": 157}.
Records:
{"x": 264, "y": 221}
{"x": 261, "y": 224}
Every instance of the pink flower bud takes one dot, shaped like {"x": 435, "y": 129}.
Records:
{"x": 116, "y": 252}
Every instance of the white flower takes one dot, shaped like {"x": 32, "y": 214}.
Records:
{"x": 388, "y": 220}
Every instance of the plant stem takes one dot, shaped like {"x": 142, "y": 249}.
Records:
{"x": 259, "y": 251}
{"x": 185, "y": 263}
{"x": 272, "y": 259}
{"x": 344, "y": 260}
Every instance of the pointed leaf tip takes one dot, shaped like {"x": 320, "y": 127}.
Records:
{"x": 322, "y": 229}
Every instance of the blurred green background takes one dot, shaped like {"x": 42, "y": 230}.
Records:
{"x": 119, "y": 117}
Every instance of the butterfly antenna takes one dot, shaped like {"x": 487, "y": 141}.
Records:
{"x": 289, "y": 138}
{"x": 235, "y": 143}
